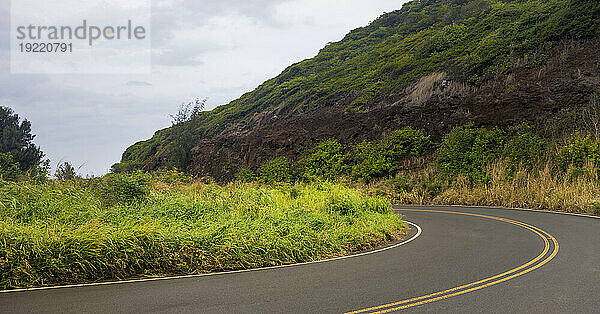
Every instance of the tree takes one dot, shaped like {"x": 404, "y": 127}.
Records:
{"x": 183, "y": 142}
{"x": 188, "y": 111}
{"x": 65, "y": 172}
{"x": 16, "y": 139}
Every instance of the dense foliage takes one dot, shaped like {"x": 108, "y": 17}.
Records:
{"x": 468, "y": 150}
{"x": 509, "y": 168}
{"x": 379, "y": 159}
{"x": 330, "y": 159}
{"x": 469, "y": 39}
{"x": 9, "y": 168}
{"x": 327, "y": 160}
{"x": 65, "y": 171}
{"x": 154, "y": 224}
{"x": 578, "y": 150}
{"x": 277, "y": 170}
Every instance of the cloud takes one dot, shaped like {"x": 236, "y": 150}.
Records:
{"x": 184, "y": 30}
{"x": 4, "y": 25}
{"x": 176, "y": 57}
{"x": 138, "y": 83}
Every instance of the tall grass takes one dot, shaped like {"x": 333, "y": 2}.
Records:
{"x": 70, "y": 232}
{"x": 576, "y": 190}
{"x": 541, "y": 188}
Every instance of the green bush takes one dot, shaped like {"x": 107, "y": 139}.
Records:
{"x": 245, "y": 175}
{"x": 276, "y": 170}
{"x": 467, "y": 150}
{"x": 328, "y": 160}
{"x": 401, "y": 185}
{"x": 125, "y": 167}
{"x": 370, "y": 162}
{"x": 373, "y": 160}
{"x": 405, "y": 142}
{"x": 342, "y": 204}
{"x": 578, "y": 150}
{"x": 65, "y": 172}
{"x": 9, "y": 169}
{"x": 432, "y": 188}
{"x": 525, "y": 149}
{"x": 118, "y": 188}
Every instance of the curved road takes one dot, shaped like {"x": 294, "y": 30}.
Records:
{"x": 465, "y": 260}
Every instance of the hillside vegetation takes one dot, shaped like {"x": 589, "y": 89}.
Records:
{"x": 469, "y": 166}
{"x": 472, "y": 41}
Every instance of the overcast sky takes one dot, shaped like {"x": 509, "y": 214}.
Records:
{"x": 215, "y": 49}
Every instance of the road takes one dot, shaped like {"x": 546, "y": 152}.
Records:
{"x": 464, "y": 260}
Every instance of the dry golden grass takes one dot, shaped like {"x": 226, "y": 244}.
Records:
{"x": 541, "y": 188}
{"x": 436, "y": 84}
{"x": 537, "y": 189}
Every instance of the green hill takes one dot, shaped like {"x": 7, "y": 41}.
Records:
{"x": 470, "y": 43}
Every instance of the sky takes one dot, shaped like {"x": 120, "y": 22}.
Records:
{"x": 200, "y": 49}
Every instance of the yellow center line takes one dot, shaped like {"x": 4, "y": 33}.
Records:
{"x": 451, "y": 292}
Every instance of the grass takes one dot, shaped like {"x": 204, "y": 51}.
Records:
{"x": 71, "y": 232}
{"x": 538, "y": 189}
{"x": 574, "y": 191}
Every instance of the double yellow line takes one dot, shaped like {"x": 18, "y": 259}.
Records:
{"x": 550, "y": 244}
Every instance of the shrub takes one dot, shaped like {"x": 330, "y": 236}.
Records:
{"x": 405, "y": 142}
{"x": 327, "y": 160}
{"x": 432, "y": 188}
{"x": 525, "y": 148}
{"x": 578, "y": 150}
{"x": 125, "y": 167}
{"x": 65, "y": 172}
{"x": 374, "y": 160}
{"x": 123, "y": 188}
{"x": 245, "y": 175}
{"x": 9, "y": 169}
{"x": 276, "y": 170}
{"x": 467, "y": 150}
{"x": 341, "y": 204}
{"x": 401, "y": 185}
{"x": 370, "y": 162}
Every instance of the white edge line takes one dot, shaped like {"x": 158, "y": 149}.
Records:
{"x": 419, "y": 231}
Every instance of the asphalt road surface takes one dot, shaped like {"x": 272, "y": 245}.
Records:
{"x": 464, "y": 260}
